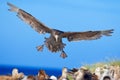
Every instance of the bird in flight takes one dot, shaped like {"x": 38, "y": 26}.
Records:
{"x": 54, "y": 43}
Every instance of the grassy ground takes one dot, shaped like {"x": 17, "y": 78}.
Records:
{"x": 92, "y": 67}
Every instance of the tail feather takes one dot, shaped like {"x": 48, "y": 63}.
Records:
{"x": 12, "y": 7}
{"x": 107, "y": 32}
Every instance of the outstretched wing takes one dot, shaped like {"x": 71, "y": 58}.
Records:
{"x": 29, "y": 19}
{"x": 88, "y": 35}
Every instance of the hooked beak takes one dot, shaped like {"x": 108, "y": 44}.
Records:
{"x": 56, "y": 38}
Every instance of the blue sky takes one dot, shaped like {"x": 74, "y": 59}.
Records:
{"x": 18, "y": 40}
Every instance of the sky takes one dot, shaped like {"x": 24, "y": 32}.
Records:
{"x": 18, "y": 40}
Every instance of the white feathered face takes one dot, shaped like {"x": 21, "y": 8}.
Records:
{"x": 65, "y": 70}
{"x": 15, "y": 72}
{"x": 56, "y": 35}
{"x": 56, "y": 38}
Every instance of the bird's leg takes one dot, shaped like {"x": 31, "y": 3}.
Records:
{"x": 63, "y": 55}
{"x": 40, "y": 48}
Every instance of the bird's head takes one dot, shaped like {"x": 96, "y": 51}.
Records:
{"x": 56, "y": 34}
{"x": 64, "y": 70}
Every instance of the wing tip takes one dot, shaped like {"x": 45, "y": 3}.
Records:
{"x": 12, "y": 7}
{"x": 108, "y": 32}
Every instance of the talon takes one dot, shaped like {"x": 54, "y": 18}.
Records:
{"x": 40, "y": 48}
{"x": 63, "y": 55}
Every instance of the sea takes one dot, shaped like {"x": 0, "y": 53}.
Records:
{"x": 7, "y": 70}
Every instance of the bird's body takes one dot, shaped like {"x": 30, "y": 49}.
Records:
{"x": 54, "y": 42}
{"x": 54, "y": 45}
{"x": 64, "y": 74}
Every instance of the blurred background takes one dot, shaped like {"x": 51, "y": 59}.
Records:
{"x": 18, "y": 40}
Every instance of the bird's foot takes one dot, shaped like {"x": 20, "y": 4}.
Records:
{"x": 63, "y": 55}
{"x": 40, "y": 48}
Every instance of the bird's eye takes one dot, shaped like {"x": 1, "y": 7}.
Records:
{"x": 70, "y": 38}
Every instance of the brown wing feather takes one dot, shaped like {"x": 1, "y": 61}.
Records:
{"x": 88, "y": 35}
{"x": 29, "y": 19}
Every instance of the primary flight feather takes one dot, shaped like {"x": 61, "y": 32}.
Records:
{"x": 54, "y": 42}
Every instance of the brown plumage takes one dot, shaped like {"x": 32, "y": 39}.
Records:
{"x": 42, "y": 75}
{"x": 7, "y": 78}
{"x": 54, "y": 42}
{"x": 31, "y": 77}
{"x": 94, "y": 77}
